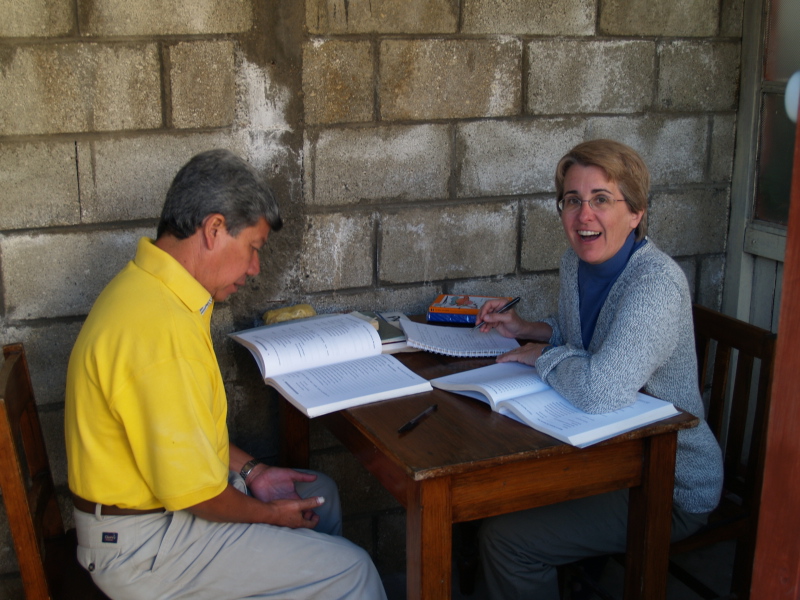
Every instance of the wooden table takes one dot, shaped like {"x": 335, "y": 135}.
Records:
{"x": 465, "y": 462}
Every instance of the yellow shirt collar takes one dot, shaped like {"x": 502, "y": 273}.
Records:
{"x": 159, "y": 264}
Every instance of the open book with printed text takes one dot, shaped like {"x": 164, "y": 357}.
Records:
{"x": 516, "y": 390}
{"x": 327, "y": 363}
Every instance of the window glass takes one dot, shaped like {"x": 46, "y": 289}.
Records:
{"x": 776, "y": 139}
{"x": 774, "y": 162}
{"x": 783, "y": 40}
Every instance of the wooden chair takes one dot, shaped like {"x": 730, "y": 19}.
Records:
{"x": 736, "y": 393}
{"x": 749, "y": 391}
{"x": 45, "y": 552}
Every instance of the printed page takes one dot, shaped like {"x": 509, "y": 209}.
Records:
{"x": 456, "y": 341}
{"x": 335, "y": 387}
{"x": 551, "y": 413}
{"x": 309, "y": 343}
{"x": 499, "y": 381}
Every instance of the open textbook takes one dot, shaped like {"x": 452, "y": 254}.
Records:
{"x": 516, "y": 390}
{"x": 327, "y": 363}
{"x": 456, "y": 341}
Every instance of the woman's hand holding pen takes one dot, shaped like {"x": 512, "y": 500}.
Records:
{"x": 509, "y": 324}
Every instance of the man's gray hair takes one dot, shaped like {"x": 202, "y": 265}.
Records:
{"x": 217, "y": 181}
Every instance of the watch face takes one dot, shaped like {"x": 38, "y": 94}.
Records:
{"x": 248, "y": 466}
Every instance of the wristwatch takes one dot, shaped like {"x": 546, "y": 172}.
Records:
{"x": 249, "y": 466}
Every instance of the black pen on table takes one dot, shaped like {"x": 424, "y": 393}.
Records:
{"x": 503, "y": 309}
{"x": 418, "y": 419}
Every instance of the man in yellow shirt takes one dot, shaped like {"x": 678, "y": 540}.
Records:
{"x": 165, "y": 505}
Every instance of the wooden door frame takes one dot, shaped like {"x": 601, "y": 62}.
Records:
{"x": 776, "y": 568}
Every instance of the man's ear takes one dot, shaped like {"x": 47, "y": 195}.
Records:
{"x": 213, "y": 225}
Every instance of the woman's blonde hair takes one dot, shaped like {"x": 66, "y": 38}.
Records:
{"x": 621, "y": 164}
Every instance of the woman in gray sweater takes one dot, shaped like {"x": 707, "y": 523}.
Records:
{"x": 624, "y": 324}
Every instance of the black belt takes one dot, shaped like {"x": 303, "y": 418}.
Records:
{"x": 90, "y": 507}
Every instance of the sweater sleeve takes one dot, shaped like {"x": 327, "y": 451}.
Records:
{"x": 637, "y": 332}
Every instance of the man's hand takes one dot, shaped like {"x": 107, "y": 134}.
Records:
{"x": 275, "y": 483}
{"x": 296, "y": 513}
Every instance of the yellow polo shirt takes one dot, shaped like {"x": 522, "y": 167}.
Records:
{"x": 145, "y": 402}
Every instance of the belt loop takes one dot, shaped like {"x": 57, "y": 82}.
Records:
{"x": 98, "y": 511}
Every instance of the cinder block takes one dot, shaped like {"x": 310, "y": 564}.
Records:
{"x": 448, "y": 242}
{"x": 543, "y": 238}
{"x": 346, "y": 166}
{"x": 390, "y": 537}
{"x": 8, "y": 562}
{"x": 576, "y": 76}
{"x": 45, "y": 88}
{"x": 40, "y": 185}
{"x": 409, "y": 300}
{"x": 732, "y": 14}
{"x": 690, "y": 221}
{"x": 338, "y": 81}
{"x": 253, "y": 416}
{"x": 154, "y": 17}
{"x": 231, "y": 361}
{"x": 674, "y": 149}
{"x": 712, "y": 280}
{"x": 723, "y": 145}
{"x": 529, "y": 17}
{"x": 47, "y": 348}
{"x": 689, "y": 267}
{"x": 331, "y": 17}
{"x": 500, "y": 158}
{"x": 36, "y": 18}
{"x": 699, "y": 75}
{"x": 53, "y": 429}
{"x": 61, "y": 274}
{"x": 659, "y": 17}
{"x": 359, "y": 491}
{"x": 450, "y": 79}
{"x": 337, "y": 252}
{"x": 359, "y": 530}
{"x": 126, "y": 179}
{"x": 206, "y": 66}
{"x": 539, "y": 292}
{"x": 321, "y": 438}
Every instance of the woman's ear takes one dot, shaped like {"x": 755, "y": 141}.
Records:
{"x": 636, "y": 218}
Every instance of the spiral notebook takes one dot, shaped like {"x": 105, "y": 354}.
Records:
{"x": 456, "y": 341}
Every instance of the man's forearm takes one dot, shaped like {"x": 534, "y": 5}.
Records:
{"x": 232, "y": 506}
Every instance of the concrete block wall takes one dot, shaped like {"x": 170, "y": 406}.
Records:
{"x": 411, "y": 144}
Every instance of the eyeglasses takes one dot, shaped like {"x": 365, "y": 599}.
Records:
{"x": 599, "y": 203}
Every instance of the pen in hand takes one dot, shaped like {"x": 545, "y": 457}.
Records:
{"x": 503, "y": 309}
{"x": 418, "y": 419}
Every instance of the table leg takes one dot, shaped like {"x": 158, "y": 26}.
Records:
{"x": 650, "y": 522}
{"x": 429, "y": 540}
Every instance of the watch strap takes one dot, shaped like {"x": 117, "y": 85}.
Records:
{"x": 248, "y": 466}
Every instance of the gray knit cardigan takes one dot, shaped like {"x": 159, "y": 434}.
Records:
{"x": 644, "y": 340}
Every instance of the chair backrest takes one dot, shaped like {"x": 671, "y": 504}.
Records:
{"x": 743, "y": 469}
{"x": 25, "y": 478}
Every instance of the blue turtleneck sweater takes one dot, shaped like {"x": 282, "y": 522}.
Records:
{"x": 595, "y": 281}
